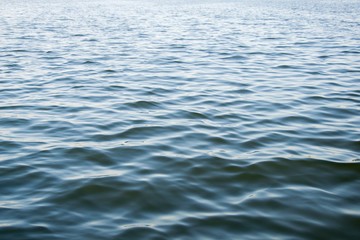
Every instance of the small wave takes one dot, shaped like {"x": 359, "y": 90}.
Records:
{"x": 235, "y": 57}
{"x": 143, "y": 104}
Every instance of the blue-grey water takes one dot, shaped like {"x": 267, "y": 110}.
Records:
{"x": 179, "y": 119}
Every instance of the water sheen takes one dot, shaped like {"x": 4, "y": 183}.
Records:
{"x": 179, "y": 119}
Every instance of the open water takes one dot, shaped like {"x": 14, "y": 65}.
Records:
{"x": 179, "y": 119}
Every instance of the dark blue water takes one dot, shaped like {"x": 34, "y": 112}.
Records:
{"x": 180, "y": 119}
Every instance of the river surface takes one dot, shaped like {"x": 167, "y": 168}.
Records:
{"x": 179, "y": 119}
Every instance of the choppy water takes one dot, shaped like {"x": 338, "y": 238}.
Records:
{"x": 179, "y": 120}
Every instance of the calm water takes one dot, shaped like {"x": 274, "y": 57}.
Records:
{"x": 179, "y": 120}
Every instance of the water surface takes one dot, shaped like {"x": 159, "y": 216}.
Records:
{"x": 179, "y": 120}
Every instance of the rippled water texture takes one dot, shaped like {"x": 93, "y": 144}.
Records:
{"x": 179, "y": 120}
